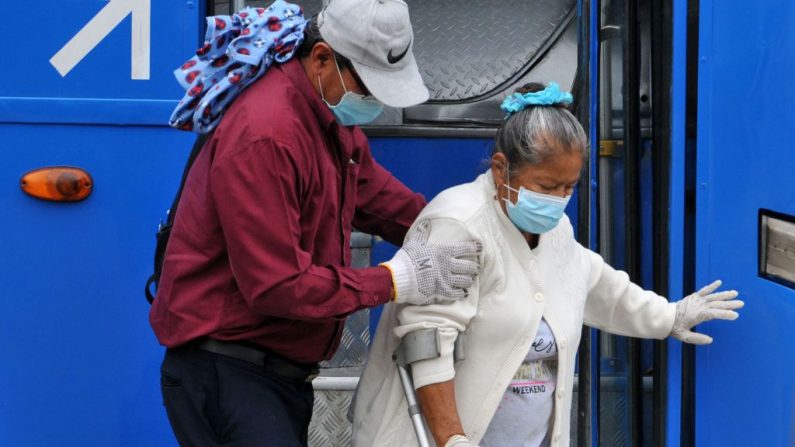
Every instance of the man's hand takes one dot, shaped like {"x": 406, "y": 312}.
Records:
{"x": 428, "y": 274}
{"x": 703, "y": 306}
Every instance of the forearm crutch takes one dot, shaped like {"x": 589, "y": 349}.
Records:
{"x": 419, "y": 345}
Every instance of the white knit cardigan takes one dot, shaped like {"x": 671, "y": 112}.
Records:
{"x": 559, "y": 280}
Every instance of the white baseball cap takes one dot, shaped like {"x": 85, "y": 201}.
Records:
{"x": 376, "y": 36}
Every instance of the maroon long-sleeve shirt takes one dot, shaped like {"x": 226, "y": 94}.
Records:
{"x": 259, "y": 251}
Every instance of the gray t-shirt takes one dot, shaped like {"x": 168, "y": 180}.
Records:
{"x": 524, "y": 416}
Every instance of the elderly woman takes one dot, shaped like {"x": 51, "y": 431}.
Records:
{"x": 524, "y": 314}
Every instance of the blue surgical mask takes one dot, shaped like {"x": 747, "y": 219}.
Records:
{"x": 353, "y": 109}
{"x": 535, "y": 212}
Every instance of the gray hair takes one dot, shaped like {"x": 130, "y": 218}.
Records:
{"x": 535, "y": 133}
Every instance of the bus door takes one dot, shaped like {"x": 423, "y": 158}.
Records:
{"x": 745, "y": 221}
{"x": 694, "y": 169}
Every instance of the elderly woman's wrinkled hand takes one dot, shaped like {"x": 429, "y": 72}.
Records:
{"x": 702, "y": 306}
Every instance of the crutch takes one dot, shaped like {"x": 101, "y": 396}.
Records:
{"x": 419, "y": 345}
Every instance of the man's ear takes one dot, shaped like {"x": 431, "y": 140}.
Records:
{"x": 320, "y": 56}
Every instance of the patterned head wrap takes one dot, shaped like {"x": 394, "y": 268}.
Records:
{"x": 237, "y": 50}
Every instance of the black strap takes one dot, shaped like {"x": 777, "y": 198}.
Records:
{"x": 164, "y": 231}
{"x": 270, "y": 362}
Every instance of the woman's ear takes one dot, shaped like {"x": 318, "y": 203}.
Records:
{"x": 499, "y": 166}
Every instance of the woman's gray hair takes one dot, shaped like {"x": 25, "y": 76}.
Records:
{"x": 535, "y": 133}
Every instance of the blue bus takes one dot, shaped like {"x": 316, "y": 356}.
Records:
{"x": 687, "y": 103}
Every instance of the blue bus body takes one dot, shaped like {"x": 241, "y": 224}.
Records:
{"x": 745, "y": 168}
{"x": 80, "y": 362}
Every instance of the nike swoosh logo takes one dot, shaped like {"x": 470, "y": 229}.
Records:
{"x": 395, "y": 59}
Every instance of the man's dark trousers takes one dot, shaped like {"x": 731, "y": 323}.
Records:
{"x": 215, "y": 400}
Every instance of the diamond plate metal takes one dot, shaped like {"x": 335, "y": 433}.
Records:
{"x": 355, "y": 341}
{"x": 613, "y": 419}
{"x": 311, "y": 7}
{"x": 329, "y": 426}
{"x": 354, "y": 344}
{"x": 466, "y": 49}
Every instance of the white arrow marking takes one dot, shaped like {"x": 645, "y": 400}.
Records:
{"x": 100, "y": 26}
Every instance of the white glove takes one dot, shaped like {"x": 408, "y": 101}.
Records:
{"x": 700, "y": 307}
{"x": 459, "y": 441}
{"x": 428, "y": 274}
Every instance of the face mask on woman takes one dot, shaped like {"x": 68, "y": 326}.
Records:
{"x": 534, "y": 212}
{"x": 353, "y": 109}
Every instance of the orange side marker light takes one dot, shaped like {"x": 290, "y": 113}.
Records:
{"x": 57, "y": 184}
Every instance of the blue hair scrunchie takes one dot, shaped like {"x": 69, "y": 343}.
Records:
{"x": 549, "y": 96}
{"x": 238, "y": 49}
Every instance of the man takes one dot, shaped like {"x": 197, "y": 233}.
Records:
{"x": 256, "y": 282}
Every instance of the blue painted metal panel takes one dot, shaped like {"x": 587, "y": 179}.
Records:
{"x": 676, "y": 216}
{"x": 81, "y": 365}
{"x": 593, "y": 15}
{"x": 105, "y": 71}
{"x": 102, "y": 79}
{"x": 430, "y": 165}
{"x": 745, "y": 393}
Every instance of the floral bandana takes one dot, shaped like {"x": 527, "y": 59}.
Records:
{"x": 551, "y": 95}
{"x": 237, "y": 50}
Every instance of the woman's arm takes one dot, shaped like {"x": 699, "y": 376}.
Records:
{"x": 617, "y": 305}
{"x": 433, "y": 378}
{"x": 448, "y": 319}
{"x": 438, "y": 407}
